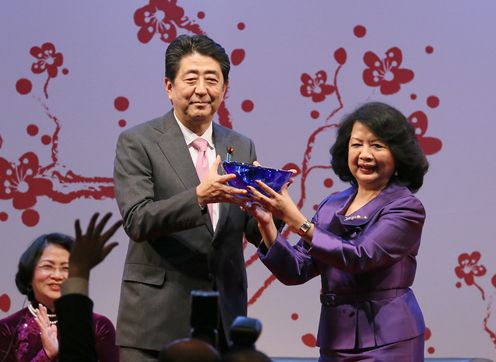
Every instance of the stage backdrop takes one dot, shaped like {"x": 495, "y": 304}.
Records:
{"x": 74, "y": 74}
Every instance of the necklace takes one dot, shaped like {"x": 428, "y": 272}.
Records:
{"x": 33, "y": 310}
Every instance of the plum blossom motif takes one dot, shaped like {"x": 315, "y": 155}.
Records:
{"x": 386, "y": 72}
{"x": 159, "y": 17}
{"x": 420, "y": 122}
{"x": 47, "y": 59}
{"x": 468, "y": 267}
{"x": 21, "y": 182}
{"x": 316, "y": 87}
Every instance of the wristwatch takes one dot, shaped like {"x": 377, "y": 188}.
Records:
{"x": 304, "y": 228}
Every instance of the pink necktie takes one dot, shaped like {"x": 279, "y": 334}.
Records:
{"x": 201, "y": 166}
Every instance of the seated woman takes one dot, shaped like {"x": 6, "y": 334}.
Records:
{"x": 31, "y": 333}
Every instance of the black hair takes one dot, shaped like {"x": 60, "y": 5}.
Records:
{"x": 29, "y": 259}
{"x": 392, "y": 127}
{"x": 188, "y": 44}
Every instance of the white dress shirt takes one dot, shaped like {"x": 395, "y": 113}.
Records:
{"x": 189, "y": 137}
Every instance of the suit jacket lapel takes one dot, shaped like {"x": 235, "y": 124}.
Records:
{"x": 176, "y": 151}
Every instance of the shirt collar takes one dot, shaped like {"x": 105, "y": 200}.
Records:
{"x": 190, "y": 136}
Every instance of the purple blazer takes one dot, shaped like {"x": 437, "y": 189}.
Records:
{"x": 20, "y": 338}
{"x": 366, "y": 262}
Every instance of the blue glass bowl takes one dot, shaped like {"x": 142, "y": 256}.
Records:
{"x": 247, "y": 174}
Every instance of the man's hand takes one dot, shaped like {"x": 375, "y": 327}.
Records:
{"x": 214, "y": 187}
{"x": 91, "y": 248}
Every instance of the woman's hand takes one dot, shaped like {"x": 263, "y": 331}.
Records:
{"x": 48, "y": 332}
{"x": 278, "y": 204}
{"x": 266, "y": 225}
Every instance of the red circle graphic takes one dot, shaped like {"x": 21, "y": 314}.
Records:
{"x": 359, "y": 31}
{"x": 315, "y": 114}
{"x": 432, "y": 101}
{"x": 237, "y": 56}
{"x": 340, "y": 56}
{"x": 46, "y": 139}
{"x": 121, "y": 104}
{"x": 328, "y": 182}
{"x": 30, "y": 217}
{"x": 24, "y": 86}
{"x": 32, "y": 130}
{"x": 309, "y": 340}
{"x": 4, "y": 216}
{"x": 247, "y": 105}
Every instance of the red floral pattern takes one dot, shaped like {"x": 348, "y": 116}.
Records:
{"x": 21, "y": 182}
{"x": 467, "y": 270}
{"x": 317, "y": 88}
{"x": 386, "y": 73}
{"x": 47, "y": 59}
{"x": 420, "y": 122}
{"x": 468, "y": 267}
{"x": 162, "y": 17}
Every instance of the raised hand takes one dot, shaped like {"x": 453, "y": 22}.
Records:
{"x": 91, "y": 248}
{"x": 48, "y": 332}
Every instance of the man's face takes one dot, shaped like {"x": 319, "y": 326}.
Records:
{"x": 197, "y": 91}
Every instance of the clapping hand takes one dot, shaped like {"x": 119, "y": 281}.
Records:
{"x": 48, "y": 332}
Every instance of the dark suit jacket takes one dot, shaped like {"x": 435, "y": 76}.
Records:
{"x": 75, "y": 328}
{"x": 172, "y": 248}
{"x": 367, "y": 262}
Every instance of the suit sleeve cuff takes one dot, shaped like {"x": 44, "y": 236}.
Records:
{"x": 75, "y": 286}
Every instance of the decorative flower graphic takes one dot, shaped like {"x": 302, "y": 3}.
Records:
{"x": 420, "y": 122}
{"x": 47, "y": 59}
{"x": 468, "y": 267}
{"x": 386, "y": 73}
{"x": 162, "y": 17}
{"x": 21, "y": 182}
{"x": 316, "y": 87}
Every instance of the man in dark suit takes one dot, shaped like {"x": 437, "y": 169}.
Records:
{"x": 185, "y": 230}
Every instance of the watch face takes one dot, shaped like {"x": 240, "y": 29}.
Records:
{"x": 305, "y": 227}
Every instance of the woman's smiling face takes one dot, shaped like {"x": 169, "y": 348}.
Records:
{"x": 50, "y": 271}
{"x": 369, "y": 158}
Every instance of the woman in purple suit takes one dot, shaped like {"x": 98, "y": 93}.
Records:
{"x": 363, "y": 241}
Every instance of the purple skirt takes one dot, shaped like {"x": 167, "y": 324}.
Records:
{"x": 410, "y": 350}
